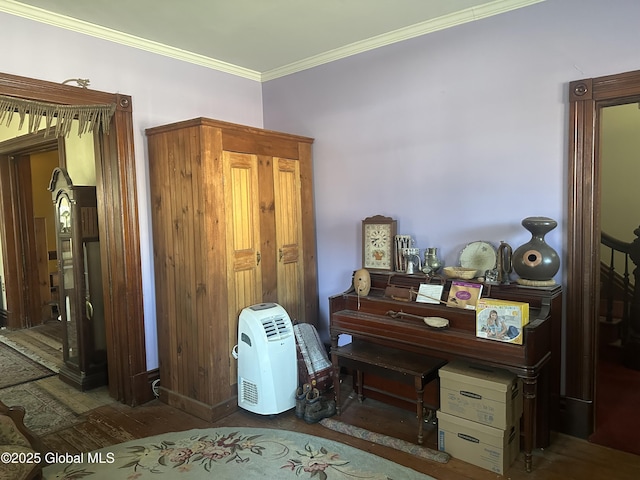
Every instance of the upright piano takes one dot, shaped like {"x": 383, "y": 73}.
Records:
{"x": 536, "y": 361}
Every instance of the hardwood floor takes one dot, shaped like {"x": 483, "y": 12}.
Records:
{"x": 566, "y": 458}
{"x": 106, "y": 423}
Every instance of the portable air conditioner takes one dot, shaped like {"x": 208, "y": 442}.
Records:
{"x": 267, "y": 361}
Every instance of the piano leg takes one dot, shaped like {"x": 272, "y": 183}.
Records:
{"x": 530, "y": 385}
{"x": 419, "y": 384}
{"x": 336, "y": 373}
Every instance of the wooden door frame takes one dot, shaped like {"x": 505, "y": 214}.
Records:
{"x": 12, "y": 246}
{"x": 26, "y": 233}
{"x": 23, "y": 304}
{"x": 586, "y": 98}
{"x": 119, "y": 231}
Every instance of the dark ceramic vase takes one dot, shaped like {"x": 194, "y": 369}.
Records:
{"x": 536, "y": 260}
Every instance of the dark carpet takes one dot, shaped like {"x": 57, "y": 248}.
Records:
{"x": 617, "y": 403}
{"x": 17, "y": 369}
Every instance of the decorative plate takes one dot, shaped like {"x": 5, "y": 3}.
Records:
{"x": 479, "y": 255}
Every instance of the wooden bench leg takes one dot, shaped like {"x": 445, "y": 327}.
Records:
{"x": 360, "y": 387}
{"x": 397, "y": 365}
{"x": 336, "y": 373}
{"x": 420, "y": 407}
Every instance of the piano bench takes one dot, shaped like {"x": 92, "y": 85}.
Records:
{"x": 387, "y": 362}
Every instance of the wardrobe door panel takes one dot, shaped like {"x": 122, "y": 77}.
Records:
{"x": 288, "y": 217}
{"x": 244, "y": 276}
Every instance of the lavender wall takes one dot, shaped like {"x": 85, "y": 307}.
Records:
{"x": 163, "y": 90}
{"x": 459, "y": 134}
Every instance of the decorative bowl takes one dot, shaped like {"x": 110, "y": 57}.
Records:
{"x": 460, "y": 272}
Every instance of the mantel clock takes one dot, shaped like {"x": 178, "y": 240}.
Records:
{"x": 378, "y": 233}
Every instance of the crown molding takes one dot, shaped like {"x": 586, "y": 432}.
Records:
{"x": 441, "y": 23}
{"x": 79, "y": 26}
{"x": 447, "y": 21}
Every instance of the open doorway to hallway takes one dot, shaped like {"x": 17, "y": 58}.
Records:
{"x": 44, "y": 280}
{"x": 52, "y": 270}
{"x": 617, "y": 381}
{"x": 28, "y": 258}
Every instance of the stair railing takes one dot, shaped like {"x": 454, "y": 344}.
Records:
{"x": 615, "y": 282}
{"x": 631, "y": 339}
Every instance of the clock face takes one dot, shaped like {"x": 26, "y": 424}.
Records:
{"x": 377, "y": 246}
{"x": 379, "y": 236}
{"x": 64, "y": 213}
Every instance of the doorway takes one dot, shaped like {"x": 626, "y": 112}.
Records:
{"x": 27, "y": 162}
{"x": 29, "y": 259}
{"x": 617, "y": 385}
{"x": 588, "y": 98}
{"x": 129, "y": 381}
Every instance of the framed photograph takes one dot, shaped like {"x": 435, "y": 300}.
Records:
{"x": 378, "y": 233}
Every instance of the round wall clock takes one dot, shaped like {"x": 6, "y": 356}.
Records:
{"x": 479, "y": 255}
{"x": 378, "y": 234}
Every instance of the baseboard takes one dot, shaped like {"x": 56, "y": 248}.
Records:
{"x": 207, "y": 412}
{"x": 576, "y": 417}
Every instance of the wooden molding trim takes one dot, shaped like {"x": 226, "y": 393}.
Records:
{"x": 573, "y": 412}
{"x": 587, "y": 97}
{"x": 210, "y": 413}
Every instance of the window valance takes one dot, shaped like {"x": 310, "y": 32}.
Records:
{"x": 58, "y": 118}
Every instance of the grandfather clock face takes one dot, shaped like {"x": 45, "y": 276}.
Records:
{"x": 377, "y": 244}
{"x": 64, "y": 214}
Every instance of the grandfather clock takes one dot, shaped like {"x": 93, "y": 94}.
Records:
{"x": 81, "y": 304}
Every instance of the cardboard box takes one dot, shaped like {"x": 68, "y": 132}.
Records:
{"x": 479, "y": 393}
{"x": 487, "y": 447}
{"x": 501, "y": 320}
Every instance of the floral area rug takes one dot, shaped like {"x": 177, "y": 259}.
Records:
{"x": 17, "y": 368}
{"x": 230, "y": 453}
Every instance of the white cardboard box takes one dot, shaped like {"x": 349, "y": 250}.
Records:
{"x": 479, "y": 393}
{"x": 487, "y": 447}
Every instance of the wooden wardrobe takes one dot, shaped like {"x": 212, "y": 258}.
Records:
{"x": 233, "y": 225}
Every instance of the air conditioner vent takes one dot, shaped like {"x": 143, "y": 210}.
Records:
{"x": 249, "y": 392}
{"x": 276, "y": 328}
